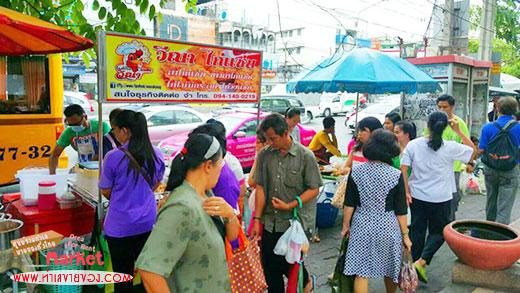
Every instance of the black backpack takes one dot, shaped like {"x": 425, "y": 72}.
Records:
{"x": 501, "y": 153}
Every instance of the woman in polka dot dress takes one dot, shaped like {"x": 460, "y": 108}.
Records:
{"x": 375, "y": 215}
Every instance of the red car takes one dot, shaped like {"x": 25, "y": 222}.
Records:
{"x": 241, "y": 137}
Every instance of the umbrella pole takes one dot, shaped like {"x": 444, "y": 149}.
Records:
{"x": 357, "y": 110}
{"x": 401, "y": 106}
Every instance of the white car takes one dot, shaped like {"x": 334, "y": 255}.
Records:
{"x": 338, "y": 103}
{"x": 79, "y": 98}
{"x": 377, "y": 110}
{"x": 167, "y": 120}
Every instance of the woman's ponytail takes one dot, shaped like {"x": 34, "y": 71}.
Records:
{"x": 177, "y": 172}
{"x": 437, "y": 123}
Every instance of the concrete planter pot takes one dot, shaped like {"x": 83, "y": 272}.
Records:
{"x": 482, "y": 244}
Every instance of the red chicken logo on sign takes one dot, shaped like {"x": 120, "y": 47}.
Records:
{"x": 135, "y": 61}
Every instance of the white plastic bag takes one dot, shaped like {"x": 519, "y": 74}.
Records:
{"x": 292, "y": 243}
{"x": 251, "y": 200}
{"x": 463, "y": 180}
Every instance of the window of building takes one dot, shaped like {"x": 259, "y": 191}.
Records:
{"x": 290, "y": 33}
{"x": 24, "y": 85}
{"x": 298, "y": 50}
{"x": 299, "y": 32}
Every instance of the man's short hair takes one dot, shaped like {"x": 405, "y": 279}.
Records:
{"x": 275, "y": 121}
{"x": 507, "y": 106}
{"x": 328, "y": 122}
{"x": 74, "y": 109}
{"x": 291, "y": 112}
{"x": 446, "y": 98}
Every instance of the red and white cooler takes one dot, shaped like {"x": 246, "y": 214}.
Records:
{"x": 47, "y": 195}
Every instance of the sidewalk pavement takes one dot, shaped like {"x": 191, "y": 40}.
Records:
{"x": 322, "y": 257}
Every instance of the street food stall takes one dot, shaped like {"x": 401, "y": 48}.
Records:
{"x": 462, "y": 77}
{"x": 31, "y": 109}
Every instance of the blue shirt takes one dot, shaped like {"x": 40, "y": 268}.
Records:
{"x": 489, "y": 131}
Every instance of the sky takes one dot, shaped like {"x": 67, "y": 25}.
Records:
{"x": 407, "y": 19}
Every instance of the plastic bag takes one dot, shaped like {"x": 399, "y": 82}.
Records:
{"x": 408, "y": 279}
{"x": 472, "y": 185}
{"x": 292, "y": 243}
{"x": 251, "y": 200}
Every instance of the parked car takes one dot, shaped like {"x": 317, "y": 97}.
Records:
{"x": 378, "y": 110}
{"x": 311, "y": 113}
{"x": 339, "y": 103}
{"x": 79, "y": 98}
{"x": 280, "y": 104}
{"x": 241, "y": 137}
{"x": 165, "y": 121}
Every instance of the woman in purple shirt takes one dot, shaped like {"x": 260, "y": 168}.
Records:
{"x": 130, "y": 175}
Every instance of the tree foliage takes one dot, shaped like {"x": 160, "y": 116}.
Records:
{"x": 113, "y": 15}
{"x": 507, "y": 34}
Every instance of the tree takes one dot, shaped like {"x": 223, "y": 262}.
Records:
{"x": 113, "y": 15}
{"x": 507, "y": 34}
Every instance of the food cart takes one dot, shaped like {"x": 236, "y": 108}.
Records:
{"x": 31, "y": 109}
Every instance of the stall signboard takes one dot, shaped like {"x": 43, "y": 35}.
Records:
{"x": 146, "y": 70}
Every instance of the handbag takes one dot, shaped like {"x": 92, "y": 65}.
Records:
{"x": 245, "y": 267}
{"x": 408, "y": 280}
{"x": 100, "y": 244}
{"x": 340, "y": 282}
{"x": 339, "y": 196}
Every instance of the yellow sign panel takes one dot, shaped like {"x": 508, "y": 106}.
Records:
{"x": 496, "y": 68}
{"x": 141, "y": 69}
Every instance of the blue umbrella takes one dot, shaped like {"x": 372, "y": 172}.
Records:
{"x": 363, "y": 71}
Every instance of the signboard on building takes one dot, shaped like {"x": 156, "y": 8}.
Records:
{"x": 268, "y": 74}
{"x": 460, "y": 72}
{"x": 145, "y": 70}
{"x": 435, "y": 70}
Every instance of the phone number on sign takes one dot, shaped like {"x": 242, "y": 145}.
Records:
{"x": 235, "y": 96}
{"x": 33, "y": 152}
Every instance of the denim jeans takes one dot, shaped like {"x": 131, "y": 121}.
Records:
{"x": 501, "y": 189}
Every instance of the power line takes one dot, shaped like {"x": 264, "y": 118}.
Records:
{"x": 460, "y": 17}
{"x": 430, "y": 21}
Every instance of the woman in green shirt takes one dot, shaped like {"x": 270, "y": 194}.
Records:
{"x": 405, "y": 131}
{"x": 185, "y": 251}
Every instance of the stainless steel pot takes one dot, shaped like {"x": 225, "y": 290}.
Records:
{"x": 9, "y": 230}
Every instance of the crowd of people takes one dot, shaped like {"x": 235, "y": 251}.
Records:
{"x": 179, "y": 244}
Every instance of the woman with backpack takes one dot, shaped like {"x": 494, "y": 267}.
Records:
{"x": 430, "y": 187}
{"x": 129, "y": 177}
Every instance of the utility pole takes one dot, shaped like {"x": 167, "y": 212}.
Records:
{"x": 425, "y": 40}
{"x": 487, "y": 29}
{"x": 400, "y": 42}
{"x": 446, "y": 31}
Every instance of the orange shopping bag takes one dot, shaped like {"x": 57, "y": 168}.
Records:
{"x": 245, "y": 267}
